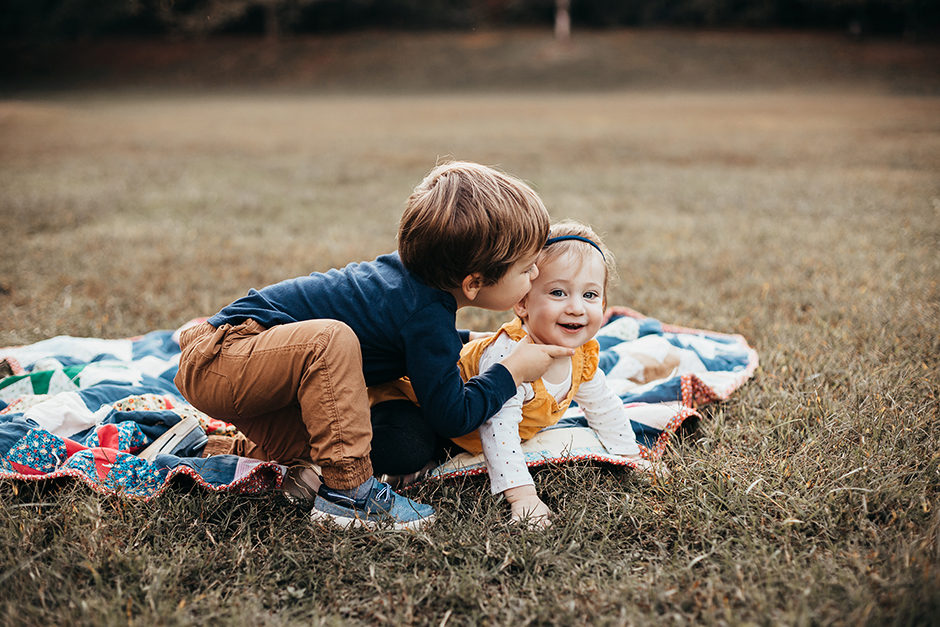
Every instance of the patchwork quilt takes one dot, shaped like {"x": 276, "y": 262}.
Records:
{"x": 86, "y": 408}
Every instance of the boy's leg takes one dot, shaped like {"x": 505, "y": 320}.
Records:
{"x": 405, "y": 448}
{"x": 270, "y": 382}
{"x": 295, "y": 390}
{"x": 402, "y": 440}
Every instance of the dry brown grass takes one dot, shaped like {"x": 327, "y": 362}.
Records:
{"x": 150, "y": 210}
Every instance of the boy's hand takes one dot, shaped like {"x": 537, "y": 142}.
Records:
{"x": 528, "y": 508}
{"x": 528, "y": 361}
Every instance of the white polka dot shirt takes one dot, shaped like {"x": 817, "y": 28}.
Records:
{"x": 502, "y": 446}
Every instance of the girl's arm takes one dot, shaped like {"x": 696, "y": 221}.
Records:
{"x": 505, "y": 463}
{"x": 606, "y": 416}
{"x": 502, "y": 448}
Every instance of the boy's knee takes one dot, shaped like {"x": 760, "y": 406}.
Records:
{"x": 400, "y": 414}
{"x": 342, "y": 331}
{"x": 341, "y": 337}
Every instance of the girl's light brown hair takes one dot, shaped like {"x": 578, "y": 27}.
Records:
{"x": 573, "y": 227}
{"x": 467, "y": 218}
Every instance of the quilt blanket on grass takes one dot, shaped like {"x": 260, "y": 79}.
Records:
{"x": 84, "y": 407}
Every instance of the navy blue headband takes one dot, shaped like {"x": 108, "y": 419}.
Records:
{"x": 561, "y": 238}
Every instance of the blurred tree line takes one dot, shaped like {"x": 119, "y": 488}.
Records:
{"x": 25, "y": 21}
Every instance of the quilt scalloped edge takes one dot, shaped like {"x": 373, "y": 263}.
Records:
{"x": 262, "y": 477}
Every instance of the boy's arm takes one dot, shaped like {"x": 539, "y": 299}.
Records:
{"x": 431, "y": 346}
{"x": 466, "y": 335}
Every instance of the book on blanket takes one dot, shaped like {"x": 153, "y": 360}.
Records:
{"x": 107, "y": 412}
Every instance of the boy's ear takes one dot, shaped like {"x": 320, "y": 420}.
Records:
{"x": 471, "y": 284}
{"x": 520, "y": 308}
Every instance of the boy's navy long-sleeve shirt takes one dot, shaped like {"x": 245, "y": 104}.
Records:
{"x": 405, "y": 328}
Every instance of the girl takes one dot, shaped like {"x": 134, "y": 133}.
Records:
{"x": 564, "y": 307}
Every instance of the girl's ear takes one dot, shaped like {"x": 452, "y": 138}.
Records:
{"x": 520, "y": 308}
{"x": 471, "y": 284}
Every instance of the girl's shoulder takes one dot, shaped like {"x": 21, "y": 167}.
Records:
{"x": 588, "y": 357}
{"x": 499, "y": 346}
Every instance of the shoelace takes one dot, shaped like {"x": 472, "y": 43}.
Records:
{"x": 384, "y": 493}
{"x": 382, "y": 496}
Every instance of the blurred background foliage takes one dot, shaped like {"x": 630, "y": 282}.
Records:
{"x": 43, "y": 21}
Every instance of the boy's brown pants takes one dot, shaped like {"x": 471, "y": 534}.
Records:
{"x": 295, "y": 390}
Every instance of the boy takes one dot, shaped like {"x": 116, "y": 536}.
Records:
{"x": 289, "y": 364}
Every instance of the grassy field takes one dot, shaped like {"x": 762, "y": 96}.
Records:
{"x": 802, "y": 213}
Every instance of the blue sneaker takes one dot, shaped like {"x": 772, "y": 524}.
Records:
{"x": 380, "y": 507}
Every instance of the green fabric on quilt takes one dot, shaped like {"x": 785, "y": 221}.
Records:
{"x": 41, "y": 379}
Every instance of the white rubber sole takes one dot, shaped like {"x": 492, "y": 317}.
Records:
{"x": 348, "y": 523}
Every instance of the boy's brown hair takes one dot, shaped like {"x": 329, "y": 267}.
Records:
{"x": 467, "y": 218}
{"x": 573, "y": 227}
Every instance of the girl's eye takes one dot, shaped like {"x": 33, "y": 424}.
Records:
{"x": 591, "y": 295}
{"x": 557, "y": 293}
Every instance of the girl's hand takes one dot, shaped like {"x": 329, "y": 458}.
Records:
{"x": 477, "y": 335}
{"x": 528, "y": 508}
